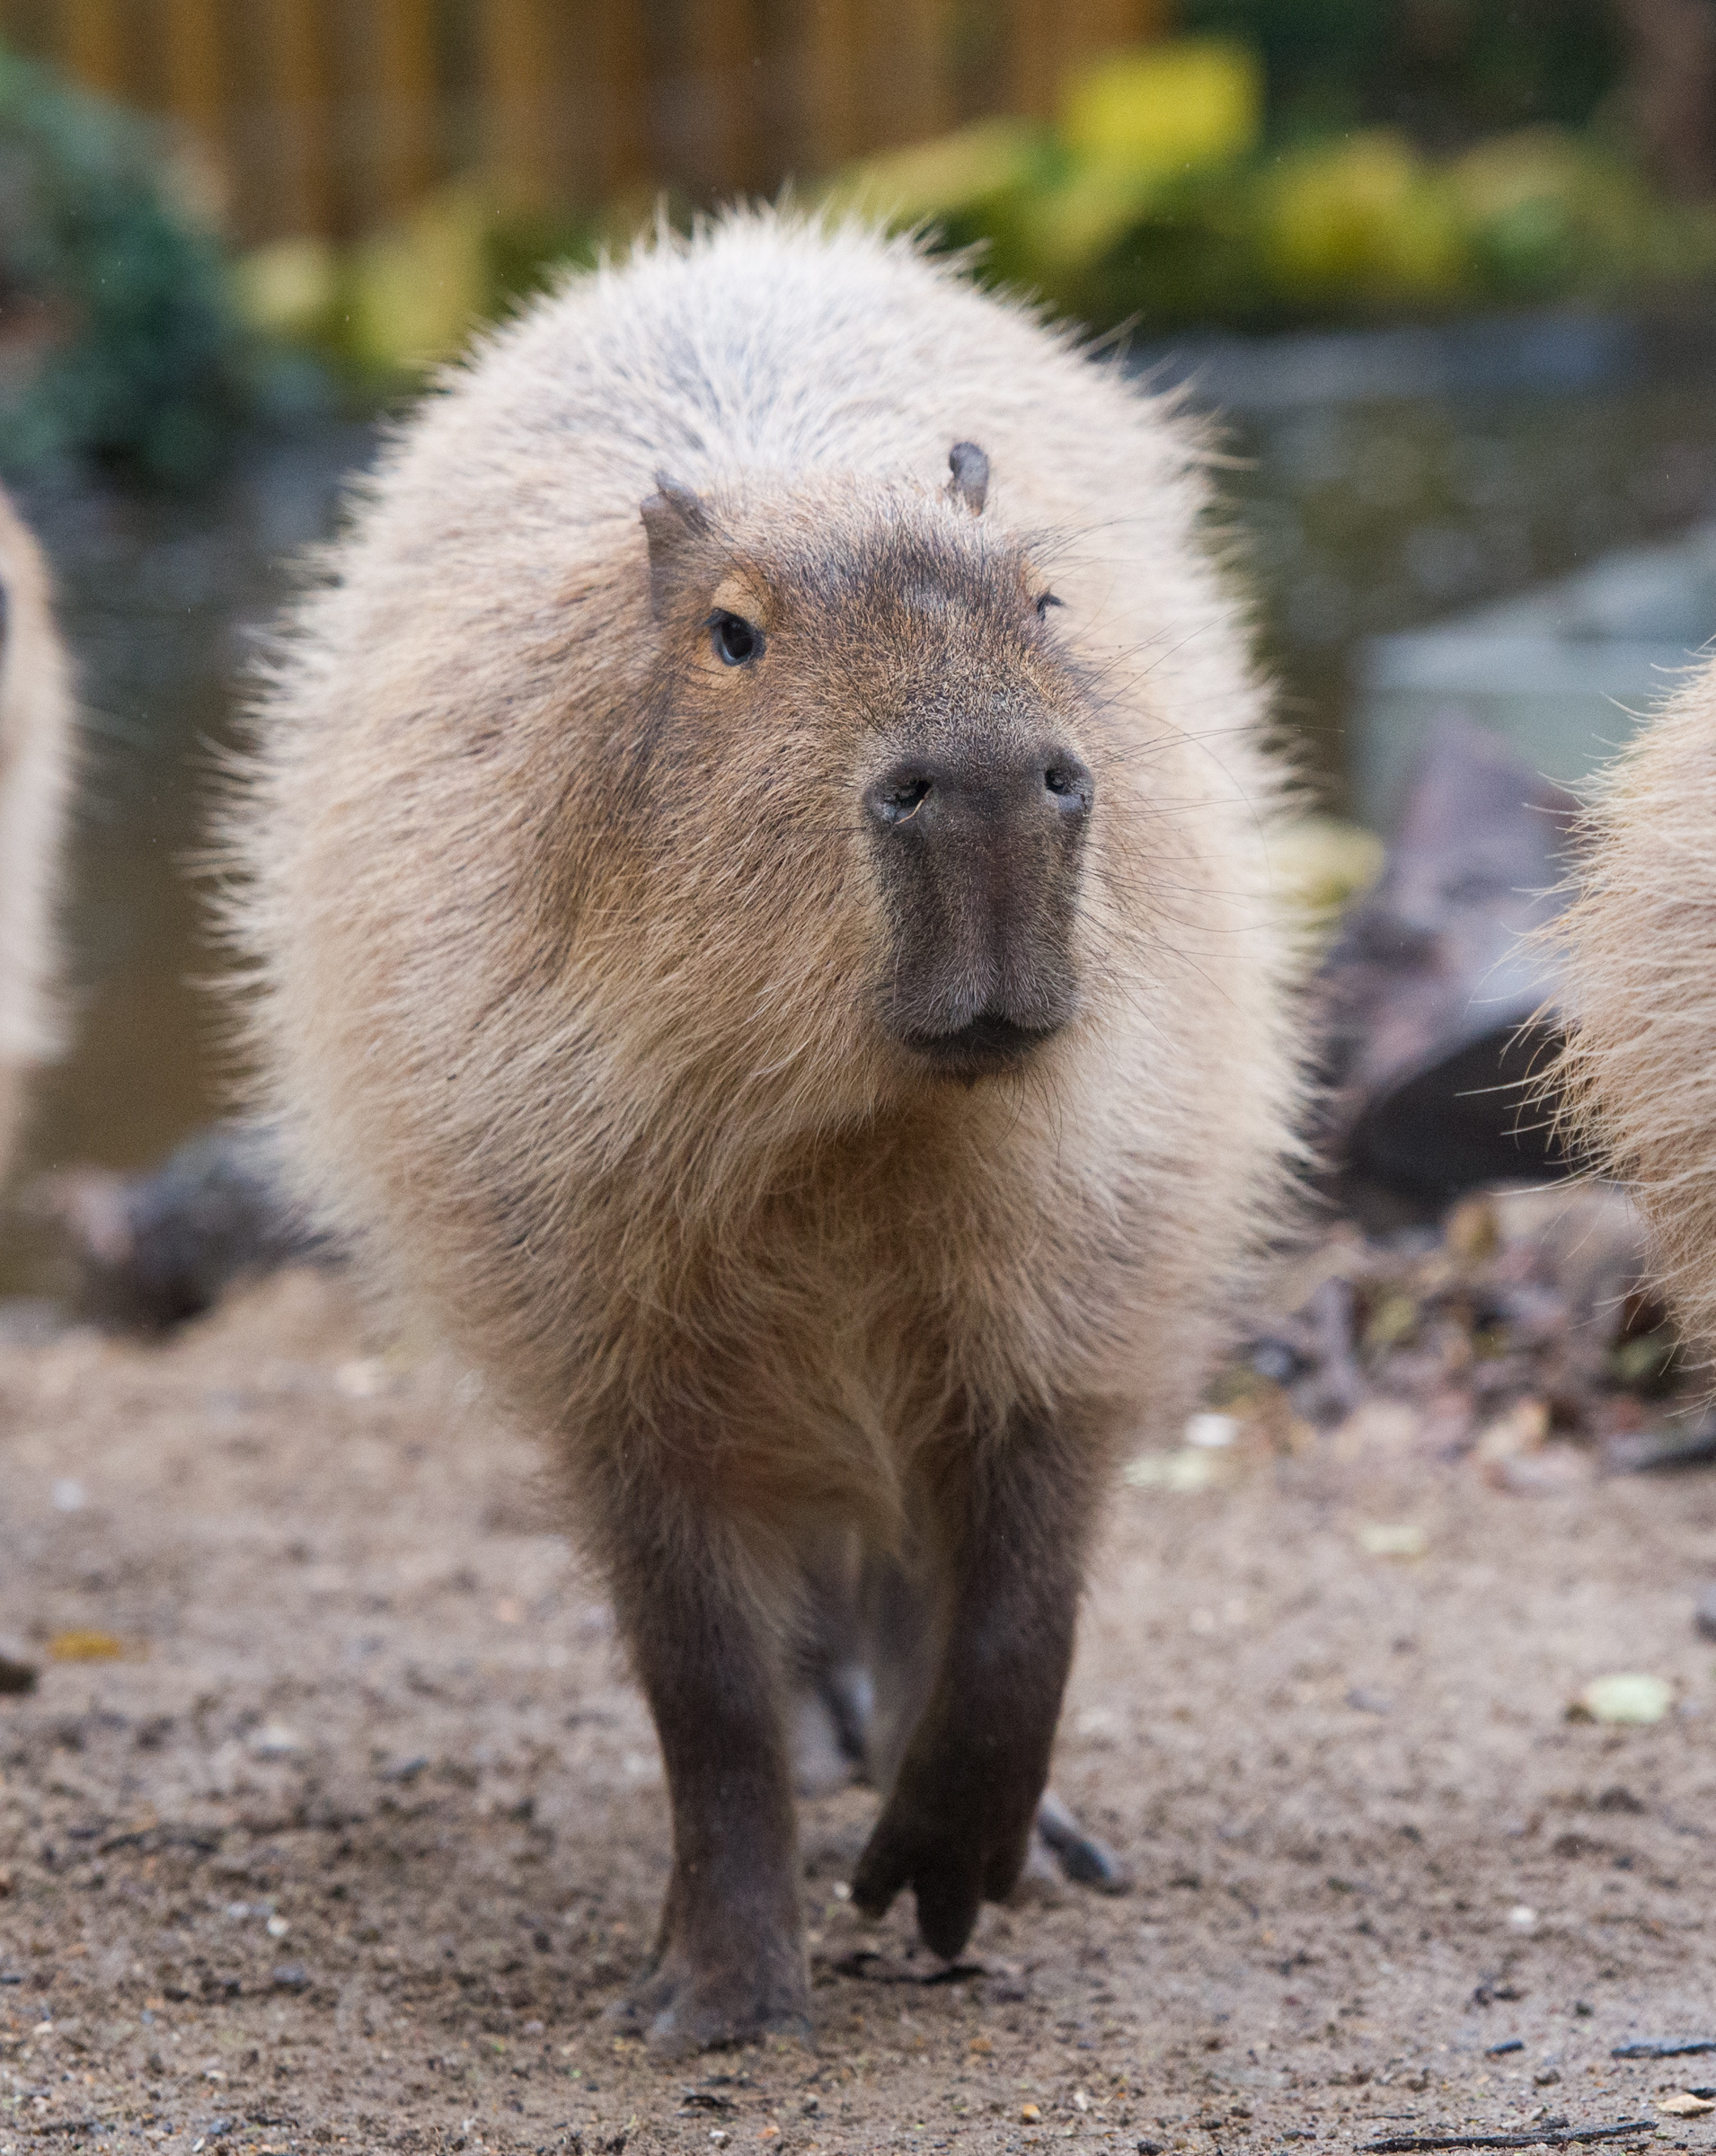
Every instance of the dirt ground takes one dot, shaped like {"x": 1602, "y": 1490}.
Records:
{"x": 358, "y": 1834}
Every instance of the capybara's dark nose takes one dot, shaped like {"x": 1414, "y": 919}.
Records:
{"x": 924, "y": 796}
{"x": 980, "y": 848}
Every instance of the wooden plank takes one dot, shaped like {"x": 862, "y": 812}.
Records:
{"x": 514, "y": 63}
{"x": 1038, "y": 57}
{"x": 832, "y": 98}
{"x": 196, "y": 79}
{"x": 196, "y": 92}
{"x": 91, "y": 44}
{"x": 405, "y": 133}
{"x": 296, "y": 148}
{"x": 616, "y": 47}
{"x": 714, "y": 122}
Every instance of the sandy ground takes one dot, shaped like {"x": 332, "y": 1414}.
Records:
{"x": 363, "y": 1829}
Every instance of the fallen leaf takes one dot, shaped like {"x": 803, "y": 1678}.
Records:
{"x": 1625, "y": 1697}
{"x": 1385, "y": 1538}
{"x": 85, "y": 1646}
{"x": 1193, "y": 1469}
{"x": 1522, "y": 1429}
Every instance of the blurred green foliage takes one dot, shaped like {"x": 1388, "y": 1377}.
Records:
{"x": 120, "y": 341}
{"x": 1172, "y": 191}
{"x": 383, "y": 311}
{"x": 1448, "y": 71}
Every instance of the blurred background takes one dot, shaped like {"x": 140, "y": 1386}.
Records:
{"x": 1444, "y": 271}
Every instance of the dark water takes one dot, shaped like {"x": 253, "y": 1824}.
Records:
{"x": 1364, "y": 515}
{"x": 158, "y": 598}
{"x": 1361, "y": 512}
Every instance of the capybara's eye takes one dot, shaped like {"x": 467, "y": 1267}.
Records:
{"x": 736, "y": 641}
{"x": 1045, "y": 603}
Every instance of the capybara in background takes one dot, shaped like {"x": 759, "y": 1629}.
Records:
{"x": 1639, "y": 1071}
{"x": 35, "y": 781}
{"x": 755, "y": 870}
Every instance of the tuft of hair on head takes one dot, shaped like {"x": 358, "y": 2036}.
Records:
{"x": 673, "y": 514}
{"x": 971, "y": 479}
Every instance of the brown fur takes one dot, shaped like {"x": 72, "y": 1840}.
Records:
{"x": 1639, "y": 1073}
{"x": 35, "y": 781}
{"x": 585, "y": 982}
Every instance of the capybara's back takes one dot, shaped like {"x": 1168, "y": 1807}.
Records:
{"x": 759, "y": 863}
{"x": 35, "y": 779}
{"x": 1640, "y": 1069}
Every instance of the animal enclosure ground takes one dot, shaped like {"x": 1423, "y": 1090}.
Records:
{"x": 357, "y": 1837}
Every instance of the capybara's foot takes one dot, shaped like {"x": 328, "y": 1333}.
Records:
{"x": 1082, "y": 1857}
{"x": 956, "y": 1843}
{"x": 737, "y": 1999}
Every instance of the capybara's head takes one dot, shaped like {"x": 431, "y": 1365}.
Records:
{"x": 879, "y": 670}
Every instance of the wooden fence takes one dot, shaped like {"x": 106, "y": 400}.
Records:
{"x": 332, "y": 116}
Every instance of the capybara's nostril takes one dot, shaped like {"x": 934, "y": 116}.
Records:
{"x": 898, "y": 794}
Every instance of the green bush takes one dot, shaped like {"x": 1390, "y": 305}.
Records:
{"x": 124, "y": 345}
{"x": 1156, "y": 202}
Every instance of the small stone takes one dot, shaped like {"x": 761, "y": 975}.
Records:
{"x": 1685, "y": 2104}
{"x": 274, "y": 1740}
{"x": 1363, "y": 1701}
{"x": 291, "y": 1977}
{"x": 1704, "y": 1616}
{"x": 17, "y": 1675}
{"x": 1030, "y": 2115}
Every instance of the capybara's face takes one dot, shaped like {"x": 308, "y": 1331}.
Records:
{"x": 886, "y": 682}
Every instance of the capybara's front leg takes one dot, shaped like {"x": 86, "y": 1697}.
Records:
{"x": 728, "y": 1963}
{"x": 957, "y": 1825}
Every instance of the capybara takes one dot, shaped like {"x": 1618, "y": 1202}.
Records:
{"x": 1638, "y": 1074}
{"x": 35, "y": 781}
{"x": 756, "y": 872}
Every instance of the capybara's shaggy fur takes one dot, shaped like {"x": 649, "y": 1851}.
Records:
{"x": 35, "y": 781}
{"x": 1639, "y": 1071}
{"x": 766, "y": 947}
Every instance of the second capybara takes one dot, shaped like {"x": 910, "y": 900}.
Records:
{"x": 755, "y": 876}
{"x": 36, "y": 755}
{"x": 1637, "y": 1075}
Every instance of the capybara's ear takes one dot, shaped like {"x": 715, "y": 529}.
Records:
{"x": 971, "y": 479}
{"x": 673, "y": 514}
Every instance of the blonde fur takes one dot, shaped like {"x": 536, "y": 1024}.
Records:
{"x": 36, "y": 749}
{"x": 602, "y": 1096}
{"x": 572, "y": 947}
{"x": 1638, "y": 1074}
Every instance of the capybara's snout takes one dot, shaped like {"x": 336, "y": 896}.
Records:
{"x": 980, "y": 846}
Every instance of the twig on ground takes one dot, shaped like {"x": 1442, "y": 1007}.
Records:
{"x": 1552, "y": 2137}
{"x": 1664, "y": 2047}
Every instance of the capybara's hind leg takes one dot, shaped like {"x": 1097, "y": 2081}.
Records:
{"x": 834, "y": 1708}
{"x": 728, "y": 1963}
{"x": 1012, "y": 1519}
